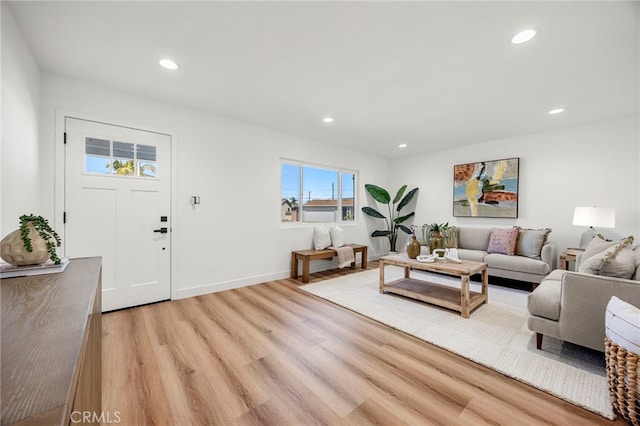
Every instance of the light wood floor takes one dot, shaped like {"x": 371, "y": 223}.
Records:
{"x": 271, "y": 354}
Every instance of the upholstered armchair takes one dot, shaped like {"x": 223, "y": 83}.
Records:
{"x": 571, "y": 305}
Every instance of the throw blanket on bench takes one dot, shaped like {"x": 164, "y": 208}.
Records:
{"x": 346, "y": 256}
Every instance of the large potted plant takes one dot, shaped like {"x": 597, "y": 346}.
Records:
{"x": 33, "y": 243}
{"x": 394, "y": 222}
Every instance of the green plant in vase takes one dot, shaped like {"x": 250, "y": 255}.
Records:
{"x": 394, "y": 222}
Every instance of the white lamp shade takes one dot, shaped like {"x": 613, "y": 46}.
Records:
{"x": 601, "y": 217}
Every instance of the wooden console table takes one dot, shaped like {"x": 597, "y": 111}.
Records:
{"x": 462, "y": 300}
{"x": 52, "y": 346}
{"x": 308, "y": 255}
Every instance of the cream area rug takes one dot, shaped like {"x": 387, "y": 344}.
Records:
{"x": 496, "y": 335}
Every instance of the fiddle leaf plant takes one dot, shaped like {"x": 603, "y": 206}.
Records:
{"x": 41, "y": 225}
{"x": 394, "y": 222}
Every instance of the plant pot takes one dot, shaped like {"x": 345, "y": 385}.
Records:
{"x": 12, "y": 248}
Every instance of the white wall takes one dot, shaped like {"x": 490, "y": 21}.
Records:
{"x": 19, "y": 150}
{"x": 592, "y": 165}
{"x": 234, "y": 237}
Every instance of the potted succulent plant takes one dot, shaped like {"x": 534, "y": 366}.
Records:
{"x": 33, "y": 243}
{"x": 394, "y": 223}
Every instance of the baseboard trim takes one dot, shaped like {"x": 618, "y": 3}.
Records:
{"x": 199, "y": 290}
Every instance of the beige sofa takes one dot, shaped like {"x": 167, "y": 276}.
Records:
{"x": 571, "y": 306}
{"x": 473, "y": 243}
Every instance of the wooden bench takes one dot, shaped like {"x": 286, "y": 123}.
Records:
{"x": 308, "y": 255}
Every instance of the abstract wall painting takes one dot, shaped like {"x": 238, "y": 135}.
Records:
{"x": 486, "y": 189}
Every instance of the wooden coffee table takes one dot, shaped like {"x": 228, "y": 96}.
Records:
{"x": 462, "y": 300}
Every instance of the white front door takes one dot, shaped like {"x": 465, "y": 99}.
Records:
{"x": 117, "y": 205}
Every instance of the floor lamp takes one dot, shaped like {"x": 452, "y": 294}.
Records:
{"x": 601, "y": 217}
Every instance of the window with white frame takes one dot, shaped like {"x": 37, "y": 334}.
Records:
{"x": 115, "y": 158}
{"x": 312, "y": 193}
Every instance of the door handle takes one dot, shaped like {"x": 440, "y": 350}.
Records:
{"x": 161, "y": 230}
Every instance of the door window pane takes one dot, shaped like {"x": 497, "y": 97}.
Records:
{"x": 123, "y": 167}
{"x": 123, "y": 150}
{"x": 98, "y": 147}
{"x": 120, "y": 158}
{"x": 100, "y": 165}
{"x": 98, "y": 155}
{"x": 146, "y": 169}
{"x": 146, "y": 152}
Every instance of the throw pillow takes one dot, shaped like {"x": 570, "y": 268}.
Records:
{"x": 617, "y": 261}
{"x": 622, "y": 325}
{"x": 321, "y": 238}
{"x": 337, "y": 236}
{"x": 597, "y": 245}
{"x": 530, "y": 242}
{"x": 450, "y": 237}
{"x": 503, "y": 241}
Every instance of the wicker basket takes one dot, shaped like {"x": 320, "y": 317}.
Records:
{"x": 622, "y": 375}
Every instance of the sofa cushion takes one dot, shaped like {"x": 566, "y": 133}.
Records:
{"x": 473, "y": 255}
{"x": 636, "y": 275}
{"x": 474, "y": 238}
{"x": 616, "y": 261}
{"x": 503, "y": 241}
{"x": 530, "y": 242}
{"x": 517, "y": 263}
{"x": 544, "y": 301}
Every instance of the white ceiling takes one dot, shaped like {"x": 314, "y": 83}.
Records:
{"x": 429, "y": 74}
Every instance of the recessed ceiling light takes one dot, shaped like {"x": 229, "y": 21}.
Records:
{"x": 168, "y": 64}
{"x": 402, "y": 145}
{"x": 556, "y": 111}
{"x": 523, "y": 36}
{"x": 328, "y": 119}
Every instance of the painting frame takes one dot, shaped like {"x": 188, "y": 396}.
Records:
{"x": 487, "y": 188}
